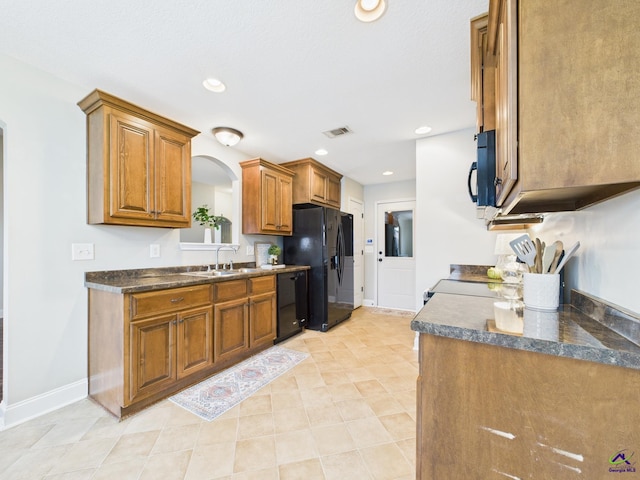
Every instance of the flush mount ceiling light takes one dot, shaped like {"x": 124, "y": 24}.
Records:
{"x": 387, "y": 173}
{"x": 321, "y": 152}
{"x": 423, "y": 130}
{"x": 214, "y": 85}
{"x": 227, "y": 136}
{"x": 370, "y": 10}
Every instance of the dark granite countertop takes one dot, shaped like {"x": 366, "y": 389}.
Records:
{"x": 149, "y": 279}
{"x": 588, "y": 329}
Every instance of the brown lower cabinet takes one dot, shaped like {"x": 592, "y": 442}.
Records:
{"x": 146, "y": 346}
{"x": 490, "y": 412}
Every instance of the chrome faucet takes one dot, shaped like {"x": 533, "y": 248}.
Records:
{"x": 234, "y": 249}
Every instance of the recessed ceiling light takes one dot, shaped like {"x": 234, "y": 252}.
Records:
{"x": 387, "y": 173}
{"x": 369, "y": 10}
{"x": 422, "y": 130}
{"x": 214, "y": 85}
{"x": 321, "y": 151}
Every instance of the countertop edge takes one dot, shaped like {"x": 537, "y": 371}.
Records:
{"x": 163, "y": 279}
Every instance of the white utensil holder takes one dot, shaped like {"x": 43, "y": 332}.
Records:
{"x": 541, "y": 291}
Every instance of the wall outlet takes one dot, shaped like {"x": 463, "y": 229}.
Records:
{"x": 154, "y": 250}
{"x": 250, "y": 250}
{"x": 82, "y": 251}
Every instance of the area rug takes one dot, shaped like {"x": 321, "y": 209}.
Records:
{"x": 215, "y": 395}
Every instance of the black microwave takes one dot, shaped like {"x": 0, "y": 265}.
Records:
{"x": 485, "y": 167}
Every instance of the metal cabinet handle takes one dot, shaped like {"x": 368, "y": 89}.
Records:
{"x": 177, "y": 300}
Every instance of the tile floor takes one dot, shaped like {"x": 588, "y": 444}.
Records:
{"x": 346, "y": 412}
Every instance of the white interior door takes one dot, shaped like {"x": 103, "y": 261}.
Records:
{"x": 356, "y": 208}
{"x": 396, "y": 269}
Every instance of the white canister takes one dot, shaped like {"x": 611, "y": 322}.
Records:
{"x": 541, "y": 291}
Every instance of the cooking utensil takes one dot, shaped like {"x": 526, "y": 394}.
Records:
{"x": 567, "y": 255}
{"x": 539, "y": 252}
{"x": 524, "y": 249}
{"x": 556, "y": 256}
{"x": 547, "y": 256}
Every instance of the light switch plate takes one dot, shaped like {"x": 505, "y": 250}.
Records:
{"x": 250, "y": 250}
{"x": 82, "y": 251}
{"x": 154, "y": 250}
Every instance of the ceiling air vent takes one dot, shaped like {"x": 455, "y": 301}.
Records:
{"x": 336, "y": 132}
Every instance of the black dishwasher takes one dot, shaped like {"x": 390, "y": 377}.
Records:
{"x": 292, "y": 304}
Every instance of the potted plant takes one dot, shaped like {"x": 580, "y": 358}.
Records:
{"x": 274, "y": 251}
{"x": 204, "y": 218}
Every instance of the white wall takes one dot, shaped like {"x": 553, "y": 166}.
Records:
{"x": 45, "y": 301}
{"x": 446, "y": 226}
{"x": 607, "y": 263}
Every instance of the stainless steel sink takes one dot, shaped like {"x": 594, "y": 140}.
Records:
{"x": 245, "y": 270}
{"x": 212, "y": 273}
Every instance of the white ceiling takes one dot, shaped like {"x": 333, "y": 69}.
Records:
{"x": 293, "y": 69}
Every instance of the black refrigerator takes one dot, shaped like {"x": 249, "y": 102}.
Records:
{"x": 323, "y": 239}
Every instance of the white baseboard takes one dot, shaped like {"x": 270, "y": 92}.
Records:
{"x": 25, "y": 410}
{"x": 368, "y": 303}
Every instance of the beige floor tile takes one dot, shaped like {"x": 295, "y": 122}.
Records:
{"x": 385, "y": 404}
{"x": 386, "y": 461}
{"x": 408, "y": 448}
{"x": 175, "y": 439}
{"x": 322, "y": 356}
{"x": 211, "y": 461}
{"x": 132, "y": 446}
{"x": 85, "y": 474}
{"x": 333, "y": 439}
{"x": 256, "y": 404}
{"x": 218, "y": 431}
{"x": 35, "y": 463}
{"x": 106, "y": 427}
{"x": 153, "y": 418}
{"x": 368, "y": 431}
{"x": 316, "y": 396}
{"x": 128, "y": 470}
{"x": 399, "y": 425}
{"x": 309, "y": 380}
{"x": 285, "y": 400}
{"x": 360, "y": 374}
{"x": 285, "y": 383}
{"x": 83, "y": 455}
{"x": 370, "y": 387}
{"x": 343, "y": 391}
{"x": 65, "y": 433}
{"x": 343, "y": 466}
{"x": 255, "y": 454}
{"x": 23, "y": 436}
{"x": 262, "y": 474}
{"x": 295, "y": 446}
{"x": 307, "y": 469}
{"x": 329, "y": 366}
{"x": 354, "y": 408}
{"x": 259, "y": 425}
{"x": 290, "y": 420}
{"x": 166, "y": 466}
{"x": 326, "y": 415}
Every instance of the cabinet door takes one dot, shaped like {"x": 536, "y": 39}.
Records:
{"x": 131, "y": 180}
{"x": 172, "y": 177}
{"x": 285, "y": 205}
{"x": 333, "y": 191}
{"x": 153, "y": 357}
{"x": 231, "y": 328}
{"x": 270, "y": 198}
{"x": 195, "y": 341}
{"x": 318, "y": 185}
{"x": 262, "y": 315}
{"x": 506, "y": 79}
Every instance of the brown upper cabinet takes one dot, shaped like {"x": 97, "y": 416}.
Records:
{"x": 565, "y": 111}
{"x": 314, "y": 183}
{"x": 266, "y": 198}
{"x": 138, "y": 165}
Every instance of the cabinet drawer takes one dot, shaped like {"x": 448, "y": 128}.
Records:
{"x": 262, "y": 284}
{"x": 145, "y": 304}
{"x": 230, "y": 290}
